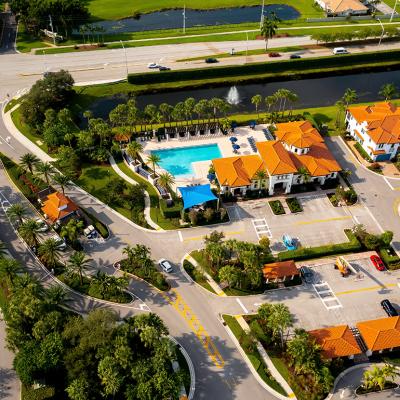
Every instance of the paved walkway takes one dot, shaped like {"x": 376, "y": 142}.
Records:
{"x": 146, "y": 198}
{"x": 384, "y": 8}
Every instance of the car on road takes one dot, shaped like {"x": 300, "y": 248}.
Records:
{"x": 162, "y": 68}
{"x": 295, "y": 56}
{"x": 274, "y": 54}
{"x": 389, "y": 309}
{"x": 211, "y": 60}
{"x": 307, "y": 274}
{"x": 43, "y": 227}
{"x": 153, "y": 66}
{"x": 340, "y": 50}
{"x": 378, "y": 263}
{"x": 165, "y": 265}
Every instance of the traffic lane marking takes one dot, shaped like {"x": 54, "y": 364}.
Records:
{"x": 316, "y": 221}
{"x": 367, "y": 289}
{"x": 242, "y": 305}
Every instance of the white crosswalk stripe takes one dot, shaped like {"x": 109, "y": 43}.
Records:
{"x": 261, "y": 227}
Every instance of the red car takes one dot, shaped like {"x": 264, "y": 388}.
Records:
{"x": 378, "y": 263}
{"x": 273, "y": 54}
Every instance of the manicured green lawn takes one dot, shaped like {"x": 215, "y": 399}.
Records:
{"x": 27, "y": 42}
{"x": 116, "y": 9}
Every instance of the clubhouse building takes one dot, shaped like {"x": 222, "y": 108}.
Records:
{"x": 376, "y": 128}
{"x": 297, "y": 155}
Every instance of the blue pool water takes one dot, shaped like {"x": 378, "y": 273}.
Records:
{"x": 178, "y": 162}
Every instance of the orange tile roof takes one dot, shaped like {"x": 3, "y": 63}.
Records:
{"x": 300, "y": 134}
{"x": 376, "y": 152}
{"x": 338, "y": 6}
{"x": 383, "y": 121}
{"x": 380, "y": 334}
{"x": 58, "y": 206}
{"x": 280, "y": 270}
{"x": 336, "y": 341}
{"x": 276, "y": 158}
{"x": 237, "y": 171}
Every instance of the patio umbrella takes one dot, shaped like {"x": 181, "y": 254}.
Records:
{"x": 233, "y": 139}
{"x": 236, "y": 147}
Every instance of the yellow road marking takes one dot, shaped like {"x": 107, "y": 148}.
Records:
{"x": 396, "y": 206}
{"x": 231, "y": 233}
{"x": 367, "y": 289}
{"x": 316, "y": 221}
{"x": 176, "y": 301}
{"x": 291, "y": 395}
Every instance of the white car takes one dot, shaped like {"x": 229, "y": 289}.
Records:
{"x": 153, "y": 66}
{"x": 340, "y": 50}
{"x": 165, "y": 265}
{"x": 61, "y": 245}
{"x": 43, "y": 227}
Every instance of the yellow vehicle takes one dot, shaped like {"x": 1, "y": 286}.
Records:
{"x": 343, "y": 266}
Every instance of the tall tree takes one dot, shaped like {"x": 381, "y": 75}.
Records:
{"x": 269, "y": 27}
{"x": 350, "y": 96}
{"x": 154, "y": 159}
{"x": 49, "y": 253}
{"x": 30, "y": 232}
{"x": 62, "y": 180}
{"x": 257, "y": 100}
{"x": 72, "y": 229}
{"x": 9, "y": 269}
{"x": 28, "y": 161}
{"x": 45, "y": 170}
{"x": 78, "y": 263}
{"x": 17, "y": 212}
{"x": 388, "y": 91}
{"x": 133, "y": 149}
{"x": 166, "y": 180}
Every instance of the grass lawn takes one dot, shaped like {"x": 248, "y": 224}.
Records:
{"x": 27, "y": 130}
{"x": 116, "y": 9}
{"x": 197, "y": 276}
{"x": 26, "y": 42}
{"x": 253, "y": 355}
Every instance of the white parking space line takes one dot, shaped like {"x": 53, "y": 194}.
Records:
{"x": 389, "y": 184}
{"x": 242, "y": 305}
{"x": 180, "y": 236}
{"x": 326, "y": 295}
{"x": 261, "y": 227}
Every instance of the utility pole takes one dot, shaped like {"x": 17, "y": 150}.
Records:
{"x": 184, "y": 19}
{"x": 262, "y": 13}
{"x": 126, "y": 59}
{"x": 247, "y": 45}
{"x": 393, "y": 12}
{"x": 52, "y": 30}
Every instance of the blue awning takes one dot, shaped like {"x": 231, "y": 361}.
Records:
{"x": 196, "y": 195}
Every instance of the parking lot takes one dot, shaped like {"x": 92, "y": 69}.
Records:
{"x": 319, "y": 223}
{"x": 347, "y": 300}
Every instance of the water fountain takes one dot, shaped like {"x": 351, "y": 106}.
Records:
{"x": 233, "y": 96}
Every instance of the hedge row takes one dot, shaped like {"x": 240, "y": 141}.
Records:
{"x": 295, "y": 67}
{"x": 171, "y": 212}
{"x": 314, "y": 252}
{"x": 362, "y": 152}
{"x": 392, "y": 262}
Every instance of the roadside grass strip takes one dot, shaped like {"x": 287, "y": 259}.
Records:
{"x": 328, "y": 298}
{"x": 176, "y": 301}
{"x": 261, "y": 227}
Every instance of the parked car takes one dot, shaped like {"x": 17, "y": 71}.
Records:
{"x": 378, "y": 263}
{"x": 43, "y": 227}
{"x": 211, "y": 60}
{"x": 274, "y": 54}
{"x": 389, "y": 309}
{"x": 153, "y": 66}
{"x": 165, "y": 265}
{"x": 162, "y": 68}
{"x": 295, "y": 56}
{"x": 340, "y": 50}
{"x": 307, "y": 274}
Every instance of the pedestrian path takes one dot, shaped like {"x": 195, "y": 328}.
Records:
{"x": 146, "y": 198}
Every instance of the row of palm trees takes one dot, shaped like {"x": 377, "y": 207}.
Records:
{"x": 43, "y": 170}
{"x": 277, "y": 102}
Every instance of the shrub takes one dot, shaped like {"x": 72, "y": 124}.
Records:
{"x": 294, "y": 205}
{"x": 42, "y": 393}
{"x": 362, "y": 152}
{"x": 277, "y": 207}
{"x": 171, "y": 212}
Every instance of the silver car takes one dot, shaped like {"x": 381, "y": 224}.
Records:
{"x": 165, "y": 265}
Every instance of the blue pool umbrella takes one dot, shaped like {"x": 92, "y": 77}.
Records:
{"x": 236, "y": 147}
{"x": 233, "y": 139}
{"x": 196, "y": 195}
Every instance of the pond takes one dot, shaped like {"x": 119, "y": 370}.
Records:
{"x": 173, "y": 19}
{"x": 317, "y": 92}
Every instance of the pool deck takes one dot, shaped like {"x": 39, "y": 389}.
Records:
{"x": 201, "y": 167}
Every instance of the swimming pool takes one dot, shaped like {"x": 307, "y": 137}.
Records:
{"x": 178, "y": 162}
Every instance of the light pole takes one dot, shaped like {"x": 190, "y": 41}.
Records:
{"x": 394, "y": 10}
{"x": 262, "y": 13}
{"x": 247, "y": 45}
{"x": 126, "y": 59}
{"x": 383, "y": 31}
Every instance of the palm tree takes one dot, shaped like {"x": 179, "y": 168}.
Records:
{"x": 48, "y": 252}
{"x": 257, "y": 100}
{"x": 28, "y": 161}
{"x": 72, "y": 230}
{"x": 165, "y": 111}
{"x": 69, "y": 137}
{"x": 269, "y": 102}
{"x": 133, "y": 149}
{"x": 3, "y": 250}
{"x": 350, "y": 96}
{"x": 29, "y": 231}
{"x": 304, "y": 173}
{"x": 154, "y": 159}
{"x": 45, "y": 170}
{"x": 16, "y": 212}
{"x": 103, "y": 283}
{"x": 88, "y": 115}
{"x": 62, "y": 181}
{"x": 339, "y": 115}
{"x": 166, "y": 180}
{"x": 388, "y": 91}
{"x": 151, "y": 114}
{"x": 56, "y": 296}
{"x": 9, "y": 269}
{"x": 78, "y": 263}
{"x": 377, "y": 377}
{"x": 189, "y": 104}
{"x": 260, "y": 175}
{"x": 268, "y": 28}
